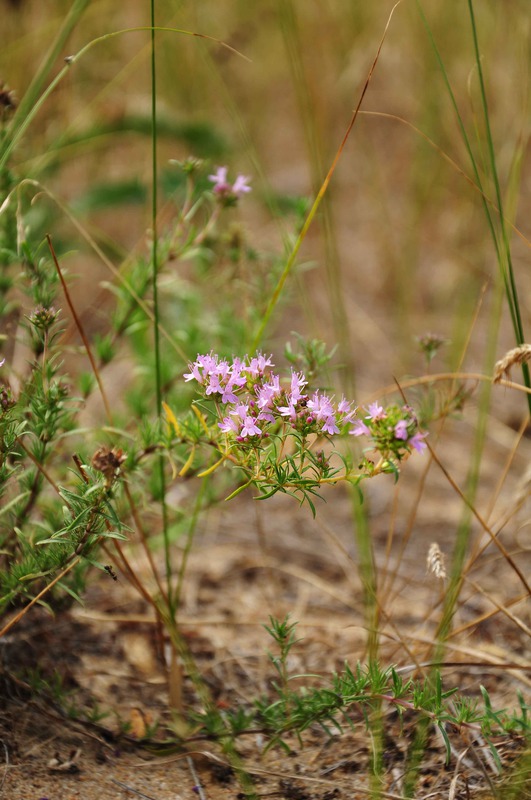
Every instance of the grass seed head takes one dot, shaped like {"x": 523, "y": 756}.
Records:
{"x": 435, "y": 561}
{"x": 518, "y": 355}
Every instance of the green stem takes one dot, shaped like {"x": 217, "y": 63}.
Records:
{"x": 156, "y": 305}
{"x": 192, "y": 525}
{"x": 367, "y": 573}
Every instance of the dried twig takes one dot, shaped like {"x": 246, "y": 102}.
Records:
{"x": 130, "y": 789}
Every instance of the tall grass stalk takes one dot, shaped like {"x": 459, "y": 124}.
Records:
{"x": 499, "y": 237}
{"x": 368, "y": 573}
{"x": 506, "y": 265}
{"x": 369, "y": 579}
{"x": 156, "y": 306}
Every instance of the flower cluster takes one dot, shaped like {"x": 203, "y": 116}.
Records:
{"x": 391, "y": 428}
{"x": 43, "y": 317}
{"x": 255, "y": 398}
{"x": 228, "y": 193}
{"x": 250, "y": 399}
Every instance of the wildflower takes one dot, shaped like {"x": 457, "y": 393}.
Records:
{"x": 330, "y": 425}
{"x": 219, "y": 179}
{"x": 267, "y": 393}
{"x": 2, "y": 362}
{"x": 246, "y": 426}
{"x": 254, "y": 398}
{"x": 360, "y": 429}
{"x": 257, "y": 365}
{"x": 249, "y": 428}
{"x": 288, "y": 411}
{"x": 201, "y": 368}
{"x": 400, "y": 430}
{"x": 241, "y": 185}
{"x": 323, "y": 410}
{"x": 417, "y": 442}
{"x": 375, "y": 412}
{"x": 228, "y": 425}
{"x": 226, "y": 191}
{"x": 213, "y": 385}
{"x": 298, "y": 382}
{"x": 345, "y": 409}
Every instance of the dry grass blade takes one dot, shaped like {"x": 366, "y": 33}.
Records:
{"x": 23, "y": 611}
{"x": 518, "y": 355}
{"x": 81, "y": 332}
{"x": 493, "y": 538}
{"x": 502, "y": 608}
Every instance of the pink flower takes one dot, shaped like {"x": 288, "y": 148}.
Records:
{"x": 401, "y": 429}
{"x": 344, "y": 407}
{"x": 417, "y": 442}
{"x": 228, "y": 425}
{"x": 324, "y": 412}
{"x": 360, "y": 429}
{"x": 298, "y": 382}
{"x": 375, "y": 412}
{"x": 257, "y": 365}
{"x": 224, "y": 188}
{"x": 288, "y": 411}
{"x": 219, "y": 179}
{"x": 201, "y": 368}
{"x": 213, "y": 385}
{"x": 248, "y": 422}
{"x": 240, "y": 185}
{"x": 249, "y": 428}
{"x": 267, "y": 393}
{"x": 330, "y": 426}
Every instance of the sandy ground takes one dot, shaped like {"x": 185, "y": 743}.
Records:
{"x": 249, "y": 562}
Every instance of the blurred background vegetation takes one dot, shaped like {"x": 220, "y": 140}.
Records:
{"x": 401, "y": 244}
